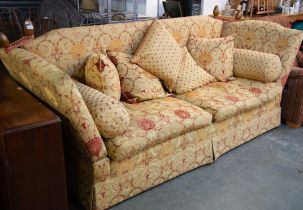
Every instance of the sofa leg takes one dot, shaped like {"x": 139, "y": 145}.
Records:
{"x": 293, "y": 125}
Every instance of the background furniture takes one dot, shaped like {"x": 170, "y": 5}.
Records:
{"x": 32, "y": 174}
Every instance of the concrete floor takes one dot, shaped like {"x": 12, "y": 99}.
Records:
{"x": 263, "y": 174}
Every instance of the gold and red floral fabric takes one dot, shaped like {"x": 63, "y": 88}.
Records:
{"x": 226, "y": 99}
{"x": 102, "y": 75}
{"x": 69, "y": 48}
{"x": 57, "y": 89}
{"x": 267, "y": 37}
{"x": 255, "y": 65}
{"x": 136, "y": 83}
{"x": 110, "y": 115}
{"x": 213, "y": 55}
{"x": 178, "y": 155}
{"x": 155, "y": 121}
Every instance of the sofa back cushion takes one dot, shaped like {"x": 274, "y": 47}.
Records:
{"x": 213, "y": 55}
{"x": 69, "y": 48}
{"x": 267, "y": 37}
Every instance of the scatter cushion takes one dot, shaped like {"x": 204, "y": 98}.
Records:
{"x": 160, "y": 54}
{"x": 136, "y": 83}
{"x": 153, "y": 122}
{"x": 101, "y": 74}
{"x": 227, "y": 99}
{"x": 110, "y": 116}
{"x": 191, "y": 76}
{"x": 255, "y": 65}
{"x": 213, "y": 55}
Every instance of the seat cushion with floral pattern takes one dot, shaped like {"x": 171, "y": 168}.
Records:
{"x": 153, "y": 122}
{"x": 226, "y": 99}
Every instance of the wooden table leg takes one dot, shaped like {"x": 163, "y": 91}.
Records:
{"x": 293, "y": 125}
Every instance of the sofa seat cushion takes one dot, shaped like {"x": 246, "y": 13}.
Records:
{"x": 226, "y": 99}
{"x": 153, "y": 122}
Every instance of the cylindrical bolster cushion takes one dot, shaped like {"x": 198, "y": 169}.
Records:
{"x": 255, "y": 65}
{"x": 110, "y": 116}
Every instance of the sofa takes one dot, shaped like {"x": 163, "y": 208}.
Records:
{"x": 165, "y": 137}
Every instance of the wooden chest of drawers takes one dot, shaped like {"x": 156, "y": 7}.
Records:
{"x": 32, "y": 174}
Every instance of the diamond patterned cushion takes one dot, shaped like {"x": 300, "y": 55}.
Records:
{"x": 160, "y": 54}
{"x": 191, "y": 76}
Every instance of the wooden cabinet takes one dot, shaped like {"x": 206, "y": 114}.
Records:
{"x": 32, "y": 174}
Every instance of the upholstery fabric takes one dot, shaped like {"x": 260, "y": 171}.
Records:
{"x": 239, "y": 129}
{"x": 69, "y": 48}
{"x": 58, "y": 90}
{"x": 299, "y": 59}
{"x": 110, "y": 115}
{"x": 213, "y": 55}
{"x": 166, "y": 150}
{"x": 160, "y": 54}
{"x": 255, "y": 65}
{"x": 267, "y": 37}
{"x": 292, "y": 100}
{"x": 136, "y": 83}
{"x": 226, "y": 99}
{"x": 191, "y": 76}
{"x": 102, "y": 75}
{"x": 155, "y": 121}
{"x": 154, "y": 170}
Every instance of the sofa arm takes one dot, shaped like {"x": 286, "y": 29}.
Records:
{"x": 263, "y": 67}
{"x": 267, "y": 37}
{"x": 58, "y": 90}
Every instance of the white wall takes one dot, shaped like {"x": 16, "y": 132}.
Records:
{"x": 210, "y": 4}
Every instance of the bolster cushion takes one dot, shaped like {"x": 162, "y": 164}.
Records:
{"x": 110, "y": 116}
{"x": 255, "y": 65}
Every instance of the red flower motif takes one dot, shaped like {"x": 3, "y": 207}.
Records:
{"x": 101, "y": 65}
{"x": 182, "y": 114}
{"x": 146, "y": 124}
{"x": 284, "y": 79}
{"x": 232, "y": 98}
{"x": 255, "y": 90}
{"x": 94, "y": 146}
{"x": 27, "y": 61}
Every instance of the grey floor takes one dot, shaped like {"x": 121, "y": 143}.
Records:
{"x": 263, "y": 174}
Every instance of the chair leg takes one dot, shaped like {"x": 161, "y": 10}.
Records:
{"x": 293, "y": 125}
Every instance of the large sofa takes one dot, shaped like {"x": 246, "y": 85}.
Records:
{"x": 165, "y": 137}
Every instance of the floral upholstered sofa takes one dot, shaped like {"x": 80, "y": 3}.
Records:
{"x": 171, "y": 134}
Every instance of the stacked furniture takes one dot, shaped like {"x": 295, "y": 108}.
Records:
{"x": 187, "y": 96}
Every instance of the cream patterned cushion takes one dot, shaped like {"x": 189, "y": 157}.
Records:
{"x": 110, "y": 115}
{"x": 136, "y": 83}
{"x": 213, "y": 55}
{"x": 160, "y": 54}
{"x": 255, "y": 65}
{"x": 102, "y": 75}
{"x": 191, "y": 76}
